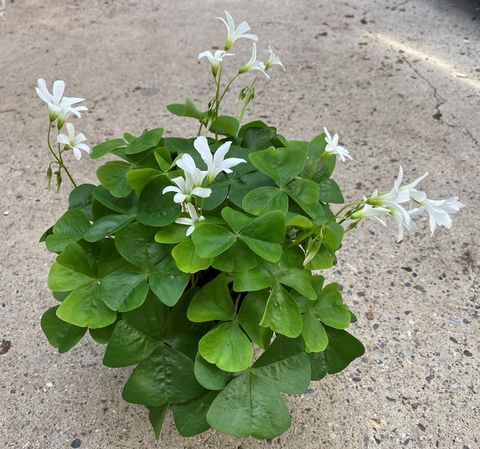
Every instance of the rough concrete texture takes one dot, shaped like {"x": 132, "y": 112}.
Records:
{"x": 399, "y": 80}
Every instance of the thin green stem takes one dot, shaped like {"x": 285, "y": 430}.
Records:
{"x": 247, "y": 101}
{"x": 58, "y": 158}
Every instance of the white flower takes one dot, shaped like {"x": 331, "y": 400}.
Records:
{"x": 59, "y": 106}
{"x": 215, "y": 58}
{"x": 190, "y": 221}
{"x": 404, "y": 221}
{"x": 74, "y": 141}
{"x": 216, "y": 163}
{"x": 399, "y": 193}
{"x": 439, "y": 211}
{"x": 253, "y": 65}
{"x": 273, "y": 59}
{"x": 191, "y": 184}
{"x": 369, "y": 211}
{"x": 234, "y": 34}
{"x": 334, "y": 148}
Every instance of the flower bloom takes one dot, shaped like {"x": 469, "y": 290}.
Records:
{"x": 273, "y": 59}
{"x": 369, "y": 211}
{"x": 253, "y": 65}
{"x": 216, "y": 163}
{"x": 334, "y": 148}
{"x": 438, "y": 211}
{"x": 191, "y": 184}
{"x": 190, "y": 221}
{"x": 214, "y": 58}
{"x": 233, "y": 34}
{"x": 59, "y": 106}
{"x": 74, "y": 141}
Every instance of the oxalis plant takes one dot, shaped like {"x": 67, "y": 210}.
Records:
{"x": 197, "y": 260}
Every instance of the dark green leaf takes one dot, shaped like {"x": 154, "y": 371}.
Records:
{"x": 156, "y": 416}
{"x": 149, "y": 139}
{"x": 225, "y": 125}
{"x": 330, "y": 192}
{"x": 113, "y": 176}
{"x": 81, "y": 198}
{"x": 265, "y": 199}
{"x": 156, "y": 209}
{"x": 68, "y": 229}
{"x": 106, "y": 225}
{"x": 191, "y": 417}
{"x": 61, "y": 335}
{"x": 106, "y": 147}
{"x": 250, "y": 315}
{"x": 209, "y": 376}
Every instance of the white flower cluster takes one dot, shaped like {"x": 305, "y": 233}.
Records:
{"x": 235, "y": 33}
{"x": 377, "y": 206}
{"x": 191, "y": 185}
{"x": 60, "y": 109}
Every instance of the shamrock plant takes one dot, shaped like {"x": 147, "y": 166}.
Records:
{"x": 202, "y": 261}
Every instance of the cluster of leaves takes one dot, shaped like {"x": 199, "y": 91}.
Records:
{"x": 222, "y": 323}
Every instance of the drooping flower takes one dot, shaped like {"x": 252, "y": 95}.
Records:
{"x": 438, "y": 211}
{"x": 334, "y": 148}
{"x": 74, "y": 141}
{"x": 190, "y": 221}
{"x": 253, "y": 65}
{"x": 190, "y": 185}
{"x": 216, "y": 163}
{"x": 399, "y": 193}
{"x": 235, "y": 33}
{"x": 369, "y": 211}
{"x": 214, "y": 58}
{"x": 59, "y": 106}
{"x": 273, "y": 59}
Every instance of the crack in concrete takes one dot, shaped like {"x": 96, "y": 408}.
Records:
{"x": 439, "y": 102}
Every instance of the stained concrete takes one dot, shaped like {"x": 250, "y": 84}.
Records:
{"x": 399, "y": 80}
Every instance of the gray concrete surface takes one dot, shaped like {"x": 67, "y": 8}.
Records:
{"x": 398, "y": 79}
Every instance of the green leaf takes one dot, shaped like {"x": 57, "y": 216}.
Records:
{"x": 298, "y": 221}
{"x": 107, "y": 225}
{"x": 61, "y": 335}
{"x": 191, "y": 417}
{"x": 220, "y": 189}
{"x": 305, "y": 193}
{"x": 156, "y": 416}
{"x": 125, "y": 206}
{"x": 265, "y": 199}
{"x": 227, "y": 347}
{"x": 211, "y": 240}
{"x": 314, "y": 334}
{"x": 212, "y": 302}
{"x": 249, "y": 406}
{"x": 330, "y": 308}
{"x": 323, "y": 260}
{"x": 102, "y": 335}
{"x": 84, "y": 308}
{"x": 285, "y": 366}
{"x": 136, "y": 244}
{"x": 165, "y": 376}
{"x": 209, "y": 376}
{"x": 250, "y": 315}
{"x": 236, "y": 258}
{"x": 187, "y": 258}
{"x": 186, "y": 110}
{"x": 138, "y": 178}
{"x": 68, "y": 229}
{"x": 342, "y": 349}
{"x": 106, "y": 147}
{"x": 333, "y": 236}
{"x": 156, "y": 209}
{"x": 113, "y": 176}
{"x": 225, "y": 125}
{"x": 243, "y": 184}
{"x": 81, "y": 198}
{"x": 280, "y": 164}
{"x": 167, "y": 281}
{"x": 257, "y": 135}
{"x": 149, "y": 139}
{"x": 169, "y": 234}
{"x": 282, "y": 314}
{"x": 330, "y": 192}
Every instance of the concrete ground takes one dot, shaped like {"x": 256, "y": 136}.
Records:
{"x": 398, "y": 79}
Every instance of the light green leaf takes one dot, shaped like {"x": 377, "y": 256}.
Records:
{"x": 330, "y": 308}
{"x": 212, "y": 302}
{"x": 68, "y": 229}
{"x": 61, "y": 335}
{"x": 123, "y": 289}
{"x": 282, "y": 314}
{"x": 249, "y": 406}
{"x": 211, "y": 240}
{"x": 305, "y": 193}
{"x": 187, "y": 258}
{"x": 227, "y": 347}
{"x": 138, "y": 178}
{"x": 280, "y": 164}
{"x": 250, "y": 315}
{"x": 186, "y": 110}
{"x": 265, "y": 199}
{"x": 225, "y": 125}
{"x": 167, "y": 281}
{"x": 236, "y": 258}
{"x": 314, "y": 334}
{"x": 106, "y": 147}
{"x": 173, "y": 233}
{"x": 149, "y": 139}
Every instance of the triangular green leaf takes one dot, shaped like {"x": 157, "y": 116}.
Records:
{"x": 191, "y": 417}
{"x": 250, "y": 315}
{"x": 61, "y": 335}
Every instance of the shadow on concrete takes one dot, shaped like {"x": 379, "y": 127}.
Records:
{"x": 470, "y": 8}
